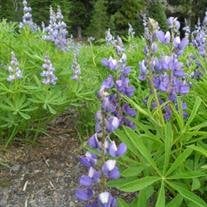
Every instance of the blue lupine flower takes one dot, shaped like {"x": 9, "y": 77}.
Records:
{"x": 84, "y": 194}
{"x": 112, "y": 123}
{"x": 110, "y": 63}
{"x": 89, "y": 160}
{"x": 163, "y": 37}
{"x": 110, "y": 170}
{"x": 115, "y": 151}
{"x": 90, "y": 179}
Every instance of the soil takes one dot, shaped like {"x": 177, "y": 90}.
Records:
{"x": 44, "y": 174}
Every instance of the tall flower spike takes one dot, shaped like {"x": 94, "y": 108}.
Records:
{"x": 165, "y": 74}
{"x": 101, "y": 164}
{"x": 56, "y": 31}
{"x": 109, "y": 37}
{"x": 48, "y": 75}
{"x": 27, "y": 17}
{"x": 14, "y": 70}
{"x": 76, "y": 70}
{"x": 131, "y": 31}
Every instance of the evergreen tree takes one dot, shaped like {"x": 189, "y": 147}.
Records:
{"x": 128, "y": 11}
{"x": 99, "y": 21}
{"x": 156, "y": 11}
{"x": 80, "y": 14}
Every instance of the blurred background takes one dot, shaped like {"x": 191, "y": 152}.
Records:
{"x": 93, "y": 17}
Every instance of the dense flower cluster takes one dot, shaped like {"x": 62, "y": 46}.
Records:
{"x": 112, "y": 114}
{"x": 48, "y": 75}
{"x": 27, "y": 17}
{"x": 14, "y": 70}
{"x": 56, "y": 31}
{"x": 165, "y": 73}
{"x": 199, "y": 36}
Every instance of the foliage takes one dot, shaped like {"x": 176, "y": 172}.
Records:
{"x": 99, "y": 20}
{"x": 27, "y": 105}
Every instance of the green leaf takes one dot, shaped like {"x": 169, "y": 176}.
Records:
{"x": 168, "y": 140}
{"x": 124, "y": 138}
{"x": 25, "y": 116}
{"x": 187, "y": 175}
{"x": 131, "y": 171}
{"x": 180, "y": 160}
{"x": 133, "y": 185}
{"x": 199, "y": 149}
{"x": 194, "y": 111}
{"x": 138, "y": 143}
{"x": 185, "y": 193}
{"x": 195, "y": 184}
{"x": 122, "y": 203}
{"x": 142, "y": 198}
{"x": 175, "y": 202}
{"x": 161, "y": 196}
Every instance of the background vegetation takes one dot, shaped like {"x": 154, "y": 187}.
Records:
{"x": 93, "y": 17}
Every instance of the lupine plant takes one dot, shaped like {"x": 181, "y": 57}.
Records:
{"x": 114, "y": 112}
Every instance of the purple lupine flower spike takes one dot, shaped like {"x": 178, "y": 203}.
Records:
{"x": 75, "y": 68}
{"x": 13, "y": 69}
{"x": 27, "y": 17}
{"x": 48, "y": 75}
{"x": 56, "y": 31}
